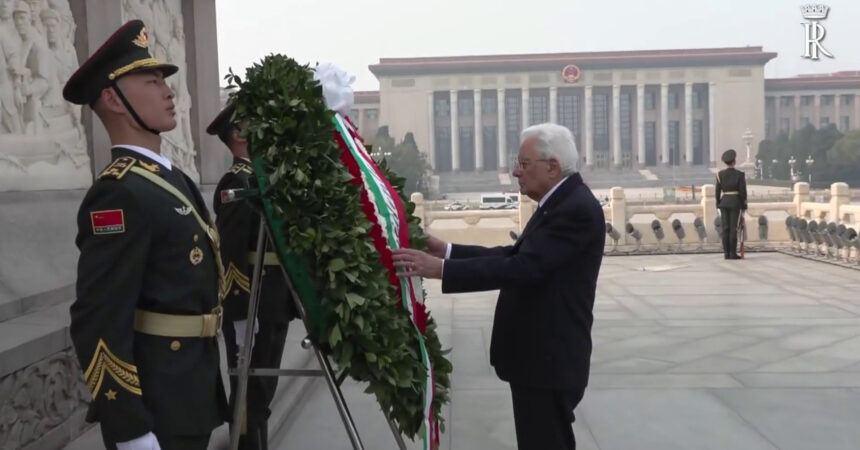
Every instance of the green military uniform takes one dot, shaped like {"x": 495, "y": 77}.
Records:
{"x": 731, "y": 191}
{"x": 147, "y": 310}
{"x": 238, "y": 224}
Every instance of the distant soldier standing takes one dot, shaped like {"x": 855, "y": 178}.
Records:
{"x": 148, "y": 303}
{"x": 732, "y": 200}
{"x": 238, "y": 225}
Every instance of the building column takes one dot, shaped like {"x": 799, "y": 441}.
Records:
{"x": 712, "y": 124}
{"x": 359, "y": 121}
{"x": 479, "y": 132}
{"x": 640, "y": 124}
{"x": 431, "y": 109}
{"x": 796, "y": 124}
{"x": 664, "y": 124}
{"x": 688, "y": 123}
{"x": 816, "y": 111}
{"x": 776, "y": 110}
{"x": 553, "y": 104}
{"x": 586, "y": 132}
{"x": 500, "y": 130}
{"x": 837, "y": 99}
{"x": 856, "y": 123}
{"x": 525, "y": 107}
{"x": 616, "y": 126}
{"x": 455, "y": 133}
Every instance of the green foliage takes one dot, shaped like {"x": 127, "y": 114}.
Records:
{"x": 836, "y": 156}
{"x": 367, "y": 333}
{"x": 847, "y": 149}
{"x": 403, "y": 158}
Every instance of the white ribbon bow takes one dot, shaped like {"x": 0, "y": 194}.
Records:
{"x": 337, "y": 91}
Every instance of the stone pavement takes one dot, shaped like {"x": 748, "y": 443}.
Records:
{"x": 690, "y": 352}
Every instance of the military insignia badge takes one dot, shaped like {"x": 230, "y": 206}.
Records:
{"x": 118, "y": 168}
{"x": 142, "y": 39}
{"x": 108, "y": 222}
{"x": 150, "y": 167}
{"x": 196, "y": 256}
{"x": 183, "y": 210}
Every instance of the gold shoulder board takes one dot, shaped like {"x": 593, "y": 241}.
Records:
{"x": 118, "y": 168}
{"x": 239, "y": 168}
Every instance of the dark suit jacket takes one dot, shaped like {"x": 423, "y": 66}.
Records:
{"x": 137, "y": 242}
{"x": 542, "y": 327}
{"x": 238, "y": 224}
{"x": 731, "y": 189}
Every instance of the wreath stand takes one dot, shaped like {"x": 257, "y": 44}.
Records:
{"x": 243, "y": 369}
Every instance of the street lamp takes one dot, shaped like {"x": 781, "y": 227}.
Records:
{"x": 378, "y": 154}
{"x": 792, "y": 162}
{"x": 760, "y": 166}
{"x": 773, "y": 167}
{"x": 809, "y": 163}
{"x": 748, "y": 138}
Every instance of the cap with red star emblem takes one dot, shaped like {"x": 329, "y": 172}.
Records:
{"x": 125, "y": 52}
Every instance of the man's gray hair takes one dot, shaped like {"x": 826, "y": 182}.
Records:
{"x": 554, "y": 142}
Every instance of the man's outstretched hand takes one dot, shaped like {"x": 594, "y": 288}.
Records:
{"x": 415, "y": 263}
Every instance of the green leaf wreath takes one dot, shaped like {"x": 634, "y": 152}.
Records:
{"x": 364, "y": 328}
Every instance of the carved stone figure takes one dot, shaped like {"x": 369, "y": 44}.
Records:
{"x": 42, "y": 138}
{"x": 31, "y": 68}
{"x": 38, "y": 398}
{"x": 10, "y": 45}
{"x": 163, "y": 19}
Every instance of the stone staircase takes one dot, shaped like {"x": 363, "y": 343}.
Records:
{"x": 684, "y": 176}
{"x": 608, "y": 178}
{"x": 43, "y": 397}
{"x": 490, "y": 181}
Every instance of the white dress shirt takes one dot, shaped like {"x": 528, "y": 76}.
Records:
{"x": 546, "y": 196}
{"x": 149, "y": 154}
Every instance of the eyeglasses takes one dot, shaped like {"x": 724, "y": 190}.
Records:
{"x": 524, "y": 164}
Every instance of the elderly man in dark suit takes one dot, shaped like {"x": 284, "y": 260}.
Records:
{"x": 541, "y": 341}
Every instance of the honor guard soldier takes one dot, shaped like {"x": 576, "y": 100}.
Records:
{"x": 731, "y": 193}
{"x": 147, "y": 312}
{"x": 238, "y": 224}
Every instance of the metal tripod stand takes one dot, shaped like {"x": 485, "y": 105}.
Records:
{"x": 243, "y": 369}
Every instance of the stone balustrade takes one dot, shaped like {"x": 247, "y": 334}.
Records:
{"x": 493, "y": 227}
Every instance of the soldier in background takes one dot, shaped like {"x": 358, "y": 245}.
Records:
{"x": 238, "y": 224}
{"x": 731, "y": 190}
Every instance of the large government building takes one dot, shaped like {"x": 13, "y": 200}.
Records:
{"x": 626, "y": 109}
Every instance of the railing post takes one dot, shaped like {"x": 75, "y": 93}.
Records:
{"x": 418, "y": 199}
{"x": 709, "y": 211}
{"x": 801, "y": 195}
{"x": 840, "y": 194}
{"x": 618, "y": 212}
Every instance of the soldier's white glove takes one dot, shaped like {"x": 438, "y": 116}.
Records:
{"x": 145, "y": 442}
{"x": 241, "y": 326}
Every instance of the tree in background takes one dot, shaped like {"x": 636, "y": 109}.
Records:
{"x": 836, "y": 156}
{"x": 404, "y": 158}
{"x": 844, "y": 160}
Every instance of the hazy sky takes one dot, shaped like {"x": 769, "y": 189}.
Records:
{"x": 356, "y": 33}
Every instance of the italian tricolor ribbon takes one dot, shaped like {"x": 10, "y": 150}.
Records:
{"x": 382, "y": 205}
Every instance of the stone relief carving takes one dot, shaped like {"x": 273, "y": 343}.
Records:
{"x": 42, "y": 138}
{"x": 40, "y": 397}
{"x": 163, "y": 19}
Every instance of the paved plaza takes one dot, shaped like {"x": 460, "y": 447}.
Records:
{"x": 690, "y": 352}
